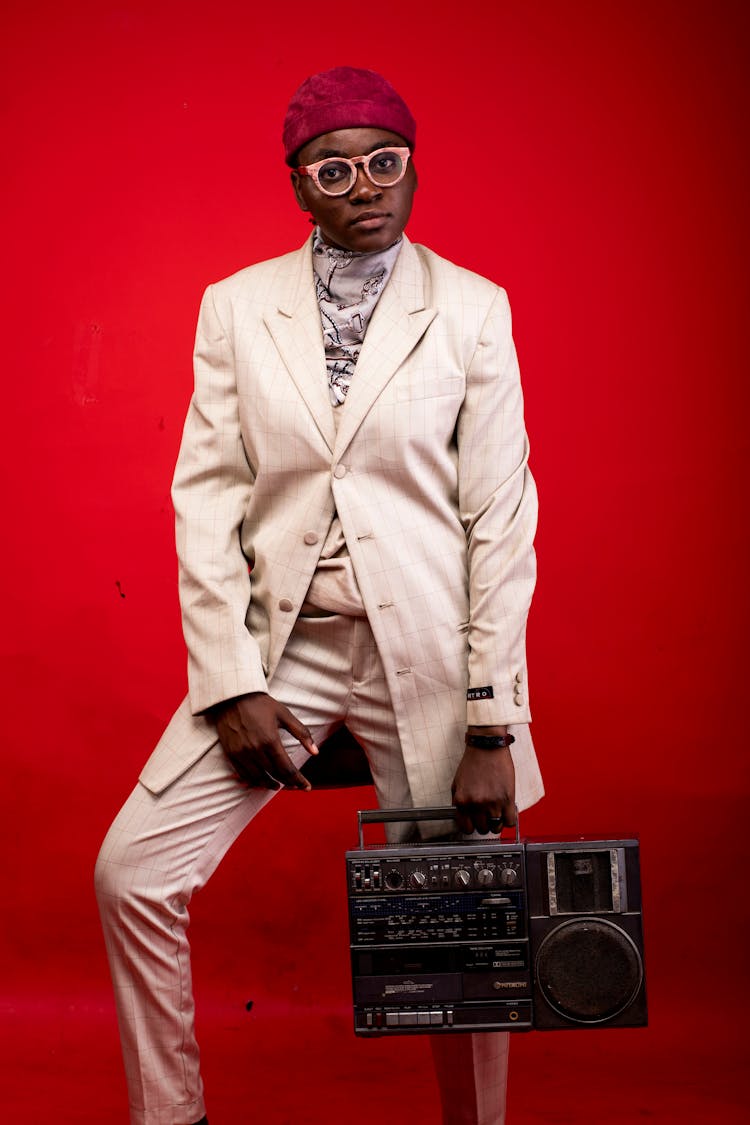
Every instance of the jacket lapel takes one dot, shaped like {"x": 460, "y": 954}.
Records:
{"x": 398, "y": 323}
{"x": 296, "y": 330}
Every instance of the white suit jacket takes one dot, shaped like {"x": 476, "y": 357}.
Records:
{"x": 428, "y": 473}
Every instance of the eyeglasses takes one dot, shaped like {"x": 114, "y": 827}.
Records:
{"x": 385, "y": 167}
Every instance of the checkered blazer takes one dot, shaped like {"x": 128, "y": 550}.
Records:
{"x": 427, "y": 471}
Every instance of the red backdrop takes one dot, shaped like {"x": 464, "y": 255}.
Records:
{"x": 591, "y": 157}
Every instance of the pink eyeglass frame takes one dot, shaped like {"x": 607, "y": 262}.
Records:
{"x": 312, "y": 170}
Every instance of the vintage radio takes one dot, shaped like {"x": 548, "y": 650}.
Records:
{"x": 487, "y": 934}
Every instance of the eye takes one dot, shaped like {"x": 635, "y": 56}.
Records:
{"x": 333, "y": 172}
{"x": 385, "y": 161}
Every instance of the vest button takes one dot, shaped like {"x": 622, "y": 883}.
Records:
{"x": 285, "y": 605}
{"x": 311, "y": 538}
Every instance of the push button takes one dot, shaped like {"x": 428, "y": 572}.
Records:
{"x": 407, "y": 1019}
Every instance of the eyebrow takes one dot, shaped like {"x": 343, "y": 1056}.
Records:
{"x": 327, "y": 153}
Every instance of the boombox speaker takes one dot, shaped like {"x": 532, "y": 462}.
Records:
{"x": 490, "y": 935}
{"x": 585, "y": 933}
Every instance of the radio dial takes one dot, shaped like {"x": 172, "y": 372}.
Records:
{"x": 462, "y": 877}
{"x": 508, "y": 876}
{"x": 417, "y": 879}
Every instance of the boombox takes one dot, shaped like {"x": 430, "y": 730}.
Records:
{"x": 485, "y": 934}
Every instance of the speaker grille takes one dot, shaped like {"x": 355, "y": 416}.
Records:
{"x": 588, "y": 970}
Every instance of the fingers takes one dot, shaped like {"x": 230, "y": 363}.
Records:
{"x": 482, "y": 819}
{"x": 510, "y": 814}
{"x": 252, "y": 775}
{"x": 478, "y": 818}
{"x": 464, "y": 820}
{"x": 248, "y": 729}
{"x": 291, "y": 723}
{"x": 269, "y": 767}
{"x": 484, "y": 791}
{"x": 282, "y": 768}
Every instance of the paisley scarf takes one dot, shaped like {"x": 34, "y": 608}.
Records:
{"x": 347, "y": 284}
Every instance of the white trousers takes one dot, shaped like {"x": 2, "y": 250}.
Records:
{"x": 162, "y": 848}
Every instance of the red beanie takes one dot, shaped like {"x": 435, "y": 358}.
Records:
{"x": 344, "y": 98}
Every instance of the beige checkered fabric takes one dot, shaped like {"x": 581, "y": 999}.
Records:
{"x": 162, "y": 848}
{"x": 427, "y": 471}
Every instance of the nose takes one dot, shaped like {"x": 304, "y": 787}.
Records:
{"x": 363, "y": 188}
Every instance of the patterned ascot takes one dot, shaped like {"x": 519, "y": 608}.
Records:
{"x": 347, "y": 284}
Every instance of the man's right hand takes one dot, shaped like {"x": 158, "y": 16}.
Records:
{"x": 248, "y": 730}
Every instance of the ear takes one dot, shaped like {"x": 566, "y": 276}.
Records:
{"x": 297, "y": 189}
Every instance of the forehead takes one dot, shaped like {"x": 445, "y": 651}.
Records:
{"x": 349, "y": 142}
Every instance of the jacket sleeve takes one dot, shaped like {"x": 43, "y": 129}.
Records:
{"x": 212, "y": 485}
{"x": 498, "y": 507}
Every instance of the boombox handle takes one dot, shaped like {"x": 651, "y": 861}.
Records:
{"x": 393, "y": 816}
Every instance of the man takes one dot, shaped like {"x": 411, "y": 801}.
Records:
{"x": 354, "y": 526}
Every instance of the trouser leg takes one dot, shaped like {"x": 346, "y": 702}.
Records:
{"x": 472, "y": 1069}
{"x": 472, "y": 1072}
{"x": 161, "y": 849}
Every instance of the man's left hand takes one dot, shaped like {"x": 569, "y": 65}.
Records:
{"x": 484, "y": 787}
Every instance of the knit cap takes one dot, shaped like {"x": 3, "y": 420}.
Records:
{"x": 345, "y": 97}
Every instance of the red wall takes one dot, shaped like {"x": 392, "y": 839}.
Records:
{"x": 591, "y": 157}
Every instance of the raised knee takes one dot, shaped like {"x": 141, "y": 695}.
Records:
{"x": 127, "y": 889}
{"x": 114, "y": 873}
{"x": 107, "y": 880}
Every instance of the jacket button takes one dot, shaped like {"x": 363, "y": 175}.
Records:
{"x": 519, "y": 699}
{"x": 519, "y": 677}
{"x": 339, "y": 472}
{"x": 311, "y": 538}
{"x": 285, "y": 605}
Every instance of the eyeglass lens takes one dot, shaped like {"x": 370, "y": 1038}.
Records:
{"x": 383, "y": 168}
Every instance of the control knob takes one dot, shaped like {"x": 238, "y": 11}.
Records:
{"x": 462, "y": 877}
{"x": 508, "y": 876}
{"x": 417, "y": 879}
{"x": 394, "y": 879}
{"x": 485, "y": 875}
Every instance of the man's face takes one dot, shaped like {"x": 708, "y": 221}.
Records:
{"x": 368, "y": 216}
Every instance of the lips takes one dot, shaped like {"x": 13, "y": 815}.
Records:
{"x": 368, "y": 216}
